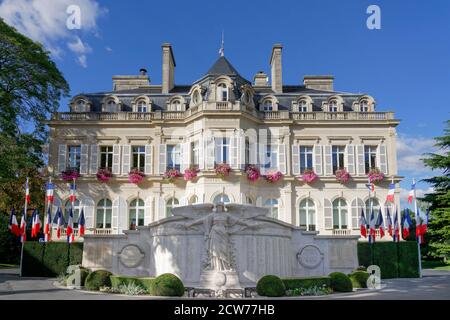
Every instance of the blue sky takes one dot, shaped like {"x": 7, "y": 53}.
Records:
{"x": 404, "y": 65}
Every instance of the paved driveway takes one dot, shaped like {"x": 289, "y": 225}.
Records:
{"x": 434, "y": 285}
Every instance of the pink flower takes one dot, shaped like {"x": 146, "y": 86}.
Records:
{"x": 135, "y": 176}
{"x": 190, "y": 173}
{"x": 70, "y": 174}
{"x": 171, "y": 175}
{"x": 273, "y": 176}
{"x": 309, "y": 176}
{"x": 252, "y": 173}
{"x": 103, "y": 175}
{"x": 223, "y": 170}
{"x": 375, "y": 175}
{"x": 342, "y": 176}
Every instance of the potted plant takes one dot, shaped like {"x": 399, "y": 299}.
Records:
{"x": 103, "y": 175}
{"x": 135, "y": 176}
{"x": 375, "y": 175}
{"x": 190, "y": 173}
{"x": 223, "y": 170}
{"x": 309, "y": 176}
{"x": 70, "y": 174}
{"x": 273, "y": 177}
{"x": 171, "y": 175}
{"x": 342, "y": 176}
{"x": 252, "y": 172}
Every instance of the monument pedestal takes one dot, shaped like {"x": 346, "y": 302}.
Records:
{"x": 219, "y": 280}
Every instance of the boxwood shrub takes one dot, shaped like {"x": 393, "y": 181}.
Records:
{"x": 359, "y": 279}
{"x": 270, "y": 286}
{"x": 97, "y": 279}
{"x": 340, "y": 282}
{"x": 168, "y": 285}
{"x": 305, "y": 282}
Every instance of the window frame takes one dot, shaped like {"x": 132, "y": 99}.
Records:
{"x": 138, "y": 153}
{"x": 138, "y": 208}
{"x": 223, "y": 145}
{"x": 309, "y": 212}
{"x": 105, "y": 210}
{"x": 307, "y": 157}
{"x": 337, "y": 152}
{"x": 173, "y": 150}
{"x": 171, "y": 203}
{"x": 77, "y": 155}
{"x": 370, "y": 157}
{"x": 342, "y": 211}
{"x": 273, "y": 205}
{"x": 108, "y": 157}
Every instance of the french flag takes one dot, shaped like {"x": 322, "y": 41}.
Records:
{"x": 391, "y": 192}
{"x": 35, "y": 224}
{"x": 27, "y": 192}
{"x": 81, "y": 223}
{"x": 23, "y": 227}
{"x": 13, "y": 225}
{"x": 69, "y": 230}
{"x": 47, "y": 226}
{"x": 412, "y": 192}
{"x": 396, "y": 236}
{"x": 363, "y": 224}
{"x": 380, "y": 223}
{"x": 50, "y": 190}
{"x": 372, "y": 231}
{"x": 406, "y": 222}
{"x": 370, "y": 186}
{"x": 389, "y": 222}
{"x": 73, "y": 188}
{"x": 59, "y": 221}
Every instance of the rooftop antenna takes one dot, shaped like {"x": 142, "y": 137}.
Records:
{"x": 222, "y": 48}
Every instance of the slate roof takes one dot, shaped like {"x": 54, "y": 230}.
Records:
{"x": 222, "y": 67}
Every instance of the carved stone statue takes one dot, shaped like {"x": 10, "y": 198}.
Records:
{"x": 218, "y": 226}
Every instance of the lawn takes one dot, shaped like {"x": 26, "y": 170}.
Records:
{"x": 7, "y": 266}
{"x": 435, "y": 265}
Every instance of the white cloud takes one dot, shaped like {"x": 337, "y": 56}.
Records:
{"x": 45, "y": 21}
{"x": 410, "y": 151}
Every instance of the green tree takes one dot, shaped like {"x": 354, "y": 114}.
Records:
{"x": 439, "y": 222}
{"x": 31, "y": 87}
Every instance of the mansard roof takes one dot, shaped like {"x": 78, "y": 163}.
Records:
{"x": 222, "y": 67}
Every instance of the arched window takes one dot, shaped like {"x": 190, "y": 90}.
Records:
{"x": 249, "y": 200}
{"x": 340, "y": 211}
{"x": 142, "y": 106}
{"x": 333, "y": 106}
{"x": 222, "y": 92}
{"x": 104, "y": 214}
{"x": 221, "y": 198}
{"x": 176, "y": 106}
{"x": 364, "y": 106}
{"x": 307, "y": 212}
{"x": 193, "y": 200}
{"x": 171, "y": 203}
{"x": 80, "y": 105}
{"x": 136, "y": 213}
{"x": 376, "y": 209}
{"x": 76, "y": 212}
{"x": 302, "y": 106}
{"x": 111, "y": 106}
{"x": 268, "y": 105}
{"x": 272, "y": 205}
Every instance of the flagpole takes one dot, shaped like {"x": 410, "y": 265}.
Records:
{"x": 418, "y": 238}
{"x": 24, "y": 216}
{"x": 372, "y": 240}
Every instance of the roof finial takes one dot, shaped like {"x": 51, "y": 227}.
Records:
{"x": 222, "y": 48}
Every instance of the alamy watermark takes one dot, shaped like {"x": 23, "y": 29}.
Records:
{"x": 374, "y": 20}
{"x": 73, "y": 21}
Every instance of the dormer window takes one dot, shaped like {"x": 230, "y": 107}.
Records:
{"x": 142, "y": 106}
{"x": 111, "y": 106}
{"x": 80, "y": 105}
{"x": 196, "y": 98}
{"x": 302, "y": 106}
{"x": 176, "y": 106}
{"x": 222, "y": 92}
{"x": 364, "y": 106}
{"x": 268, "y": 105}
{"x": 333, "y": 106}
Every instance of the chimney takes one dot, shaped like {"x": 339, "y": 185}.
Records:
{"x": 276, "y": 72}
{"x": 324, "y": 83}
{"x": 131, "y": 82}
{"x": 168, "y": 68}
{"x": 261, "y": 79}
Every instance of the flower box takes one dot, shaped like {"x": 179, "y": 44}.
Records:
{"x": 103, "y": 175}
{"x": 190, "y": 174}
{"x": 342, "y": 176}
{"x": 135, "y": 176}
{"x": 171, "y": 175}
{"x": 253, "y": 173}
{"x": 223, "y": 170}
{"x": 375, "y": 175}
{"x": 273, "y": 177}
{"x": 70, "y": 174}
{"x": 309, "y": 176}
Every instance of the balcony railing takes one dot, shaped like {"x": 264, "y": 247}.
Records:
{"x": 223, "y": 106}
{"x": 102, "y": 231}
{"x": 342, "y": 232}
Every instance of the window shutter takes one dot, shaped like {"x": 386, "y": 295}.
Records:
{"x": 328, "y": 160}
{"x": 115, "y": 216}
{"x": 162, "y": 158}
{"x": 84, "y": 159}
{"x": 241, "y": 142}
{"x": 357, "y": 205}
{"x": 89, "y": 207}
{"x": 94, "y": 159}
{"x": 148, "y": 211}
{"x": 350, "y": 151}
{"x": 253, "y": 151}
{"x": 210, "y": 154}
{"x": 262, "y": 155}
{"x": 382, "y": 158}
{"x": 282, "y": 158}
{"x": 201, "y": 159}
{"x": 234, "y": 152}
{"x": 62, "y": 154}
{"x": 126, "y": 158}
{"x": 328, "y": 214}
{"x": 295, "y": 160}
{"x": 360, "y": 165}
{"x": 318, "y": 159}
{"x": 116, "y": 159}
{"x": 148, "y": 159}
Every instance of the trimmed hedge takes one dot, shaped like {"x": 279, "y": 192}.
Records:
{"x": 359, "y": 279}
{"x": 49, "y": 259}
{"x": 396, "y": 260}
{"x": 168, "y": 285}
{"x": 270, "y": 286}
{"x": 306, "y": 282}
{"x": 147, "y": 283}
{"x": 340, "y": 282}
{"x": 97, "y": 279}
